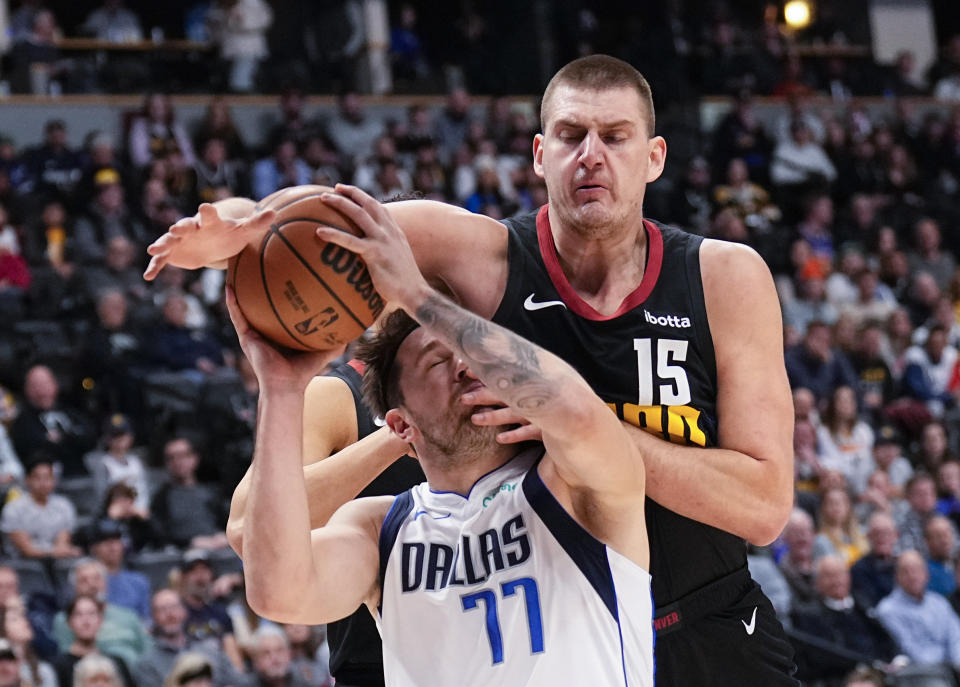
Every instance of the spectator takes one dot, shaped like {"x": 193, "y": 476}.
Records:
{"x": 139, "y": 533}
{"x": 240, "y": 27}
{"x": 125, "y": 588}
{"x": 922, "y": 498}
{"x": 924, "y": 624}
{"x": 888, "y": 457}
{"x": 271, "y": 660}
{"x": 839, "y": 620}
{"x": 98, "y": 671}
{"x": 218, "y": 123}
{"x": 39, "y": 524}
{"x": 284, "y": 168}
{"x": 113, "y": 22}
{"x": 940, "y": 538}
{"x": 189, "y": 514}
{"x": 207, "y": 619}
{"x": 811, "y": 305}
{"x": 46, "y": 424}
{"x": 800, "y": 162}
{"x": 944, "y": 315}
{"x": 84, "y": 617}
{"x": 310, "y": 655}
{"x": 865, "y": 677}
{"x": 171, "y": 644}
{"x": 113, "y": 357}
{"x": 117, "y": 463}
{"x": 845, "y": 441}
{"x": 933, "y": 450}
{"x": 190, "y": 670}
{"x": 839, "y": 533}
{"x": 690, "y": 202}
{"x": 751, "y": 201}
{"x": 352, "y": 130}
{"x": 816, "y": 227}
{"x": 214, "y": 170}
{"x": 872, "y": 577}
{"x": 740, "y": 134}
{"x": 874, "y": 301}
{"x": 797, "y": 562}
{"x": 53, "y": 169}
{"x": 948, "y": 486}
{"x": 928, "y": 255}
{"x": 15, "y": 639}
{"x": 156, "y": 131}
{"x": 451, "y": 124}
{"x": 929, "y": 375}
{"x": 119, "y": 271}
{"x": 875, "y": 380}
{"x": 121, "y": 634}
{"x": 107, "y": 217}
{"x": 174, "y": 347}
{"x": 35, "y": 59}
{"x": 815, "y": 365}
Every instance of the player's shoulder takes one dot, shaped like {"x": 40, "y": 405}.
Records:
{"x": 366, "y": 512}
{"x": 417, "y": 213}
{"x": 723, "y": 261}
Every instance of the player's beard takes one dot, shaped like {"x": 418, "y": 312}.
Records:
{"x": 455, "y": 439}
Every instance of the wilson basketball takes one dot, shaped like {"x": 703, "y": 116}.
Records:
{"x": 298, "y": 290}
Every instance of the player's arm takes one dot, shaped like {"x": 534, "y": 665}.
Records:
{"x": 291, "y": 573}
{"x": 456, "y": 249}
{"x": 329, "y": 482}
{"x": 746, "y": 486}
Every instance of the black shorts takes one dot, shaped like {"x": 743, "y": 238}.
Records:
{"x": 724, "y": 635}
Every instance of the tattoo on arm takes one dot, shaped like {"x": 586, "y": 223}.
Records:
{"x": 509, "y": 364}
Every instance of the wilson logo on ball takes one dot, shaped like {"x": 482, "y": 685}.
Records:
{"x": 341, "y": 260}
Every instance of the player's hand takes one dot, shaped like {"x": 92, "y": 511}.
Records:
{"x": 276, "y": 368}
{"x": 493, "y": 413}
{"x": 207, "y": 239}
{"x": 383, "y": 246}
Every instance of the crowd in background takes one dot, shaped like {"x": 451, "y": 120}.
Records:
{"x": 127, "y": 410}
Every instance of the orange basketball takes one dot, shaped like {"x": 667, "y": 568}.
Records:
{"x": 298, "y": 290}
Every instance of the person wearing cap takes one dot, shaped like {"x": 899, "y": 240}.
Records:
{"x": 115, "y": 462}
{"x": 171, "y": 644}
{"x": 125, "y": 588}
{"x": 888, "y": 456}
{"x": 207, "y": 619}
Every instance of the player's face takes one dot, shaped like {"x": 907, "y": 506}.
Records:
{"x": 596, "y": 157}
{"x": 432, "y": 380}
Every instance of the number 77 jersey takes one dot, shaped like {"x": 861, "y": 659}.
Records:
{"x": 503, "y": 587}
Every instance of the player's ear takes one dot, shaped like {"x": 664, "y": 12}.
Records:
{"x": 538, "y": 155}
{"x": 400, "y": 426}
{"x": 658, "y": 158}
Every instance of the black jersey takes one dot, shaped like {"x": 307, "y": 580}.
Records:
{"x": 356, "y": 656}
{"x": 652, "y": 361}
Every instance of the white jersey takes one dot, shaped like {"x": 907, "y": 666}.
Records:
{"x": 504, "y": 587}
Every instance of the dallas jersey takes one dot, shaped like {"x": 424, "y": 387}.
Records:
{"x": 652, "y": 361}
{"x": 504, "y": 587}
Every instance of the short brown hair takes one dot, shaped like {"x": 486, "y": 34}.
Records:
{"x": 600, "y": 73}
{"x": 381, "y": 374}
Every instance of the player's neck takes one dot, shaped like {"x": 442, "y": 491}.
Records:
{"x": 604, "y": 268}
{"x": 458, "y": 473}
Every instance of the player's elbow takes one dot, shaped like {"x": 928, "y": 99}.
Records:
{"x": 268, "y": 602}
{"x": 770, "y": 515}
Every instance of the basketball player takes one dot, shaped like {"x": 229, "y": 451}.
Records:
{"x": 336, "y": 417}
{"x": 540, "y": 549}
{"x": 680, "y": 335}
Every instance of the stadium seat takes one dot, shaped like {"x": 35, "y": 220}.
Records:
{"x": 33, "y": 577}
{"x": 156, "y": 565}
{"x": 82, "y": 494}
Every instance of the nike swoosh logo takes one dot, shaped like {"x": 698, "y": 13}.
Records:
{"x": 752, "y": 625}
{"x": 532, "y": 305}
{"x": 435, "y": 517}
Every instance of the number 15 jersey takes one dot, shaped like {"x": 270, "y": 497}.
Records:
{"x": 503, "y": 587}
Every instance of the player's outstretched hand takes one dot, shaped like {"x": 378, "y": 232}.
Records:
{"x": 492, "y": 412}
{"x": 207, "y": 239}
{"x": 277, "y": 368}
{"x": 383, "y": 246}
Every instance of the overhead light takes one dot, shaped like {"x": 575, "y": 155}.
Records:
{"x": 797, "y": 14}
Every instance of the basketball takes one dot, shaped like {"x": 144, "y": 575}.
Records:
{"x": 297, "y": 290}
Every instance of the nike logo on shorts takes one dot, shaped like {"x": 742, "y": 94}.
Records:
{"x": 752, "y": 625}
{"x": 532, "y": 305}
